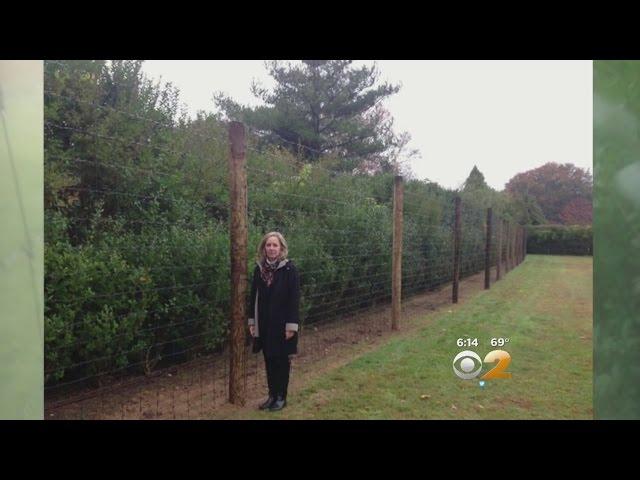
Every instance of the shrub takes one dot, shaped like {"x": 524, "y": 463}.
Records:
{"x": 560, "y": 239}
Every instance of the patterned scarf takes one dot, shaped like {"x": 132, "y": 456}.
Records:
{"x": 267, "y": 270}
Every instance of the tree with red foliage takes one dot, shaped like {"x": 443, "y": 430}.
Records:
{"x": 578, "y": 211}
{"x": 556, "y": 186}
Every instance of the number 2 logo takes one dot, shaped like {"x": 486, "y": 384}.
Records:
{"x": 503, "y": 358}
{"x": 467, "y": 369}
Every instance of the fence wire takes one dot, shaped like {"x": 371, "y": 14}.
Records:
{"x": 137, "y": 284}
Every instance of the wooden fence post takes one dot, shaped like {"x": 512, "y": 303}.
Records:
{"x": 514, "y": 234}
{"x": 507, "y": 245}
{"x": 238, "y": 242}
{"x": 515, "y": 246}
{"x": 487, "y": 252}
{"x": 519, "y": 245}
{"x": 396, "y": 278}
{"x": 512, "y": 242}
{"x": 456, "y": 251}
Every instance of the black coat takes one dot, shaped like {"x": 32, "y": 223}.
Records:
{"x": 275, "y": 306}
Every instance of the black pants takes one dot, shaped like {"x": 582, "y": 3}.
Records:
{"x": 278, "y": 369}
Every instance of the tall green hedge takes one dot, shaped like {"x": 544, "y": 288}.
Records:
{"x": 560, "y": 239}
{"x": 136, "y": 228}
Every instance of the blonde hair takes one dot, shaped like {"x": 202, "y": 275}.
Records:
{"x": 284, "y": 250}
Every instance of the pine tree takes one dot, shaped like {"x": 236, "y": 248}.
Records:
{"x": 323, "y": 107}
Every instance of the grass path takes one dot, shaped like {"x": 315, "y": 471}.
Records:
{"x": 544, "y": 307}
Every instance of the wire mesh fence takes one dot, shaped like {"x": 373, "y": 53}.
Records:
{"x": 137, "y": 250}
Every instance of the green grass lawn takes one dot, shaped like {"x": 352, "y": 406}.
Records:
{"x": 544, "y": 307}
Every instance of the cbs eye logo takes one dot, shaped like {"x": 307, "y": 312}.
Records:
{"x": 467, "y": 367}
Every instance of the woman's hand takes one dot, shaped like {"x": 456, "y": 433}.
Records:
{"x": 252, "y": 330}
{"x": 289, "y": 334}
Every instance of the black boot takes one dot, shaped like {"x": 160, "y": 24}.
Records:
{"x": 270, "y": 401}
{"x": 279, "y": 404}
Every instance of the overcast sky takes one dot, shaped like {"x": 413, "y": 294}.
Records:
{"x": 505, "y": 117}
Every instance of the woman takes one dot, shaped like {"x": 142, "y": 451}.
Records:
{"x": 273, "y": 307}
